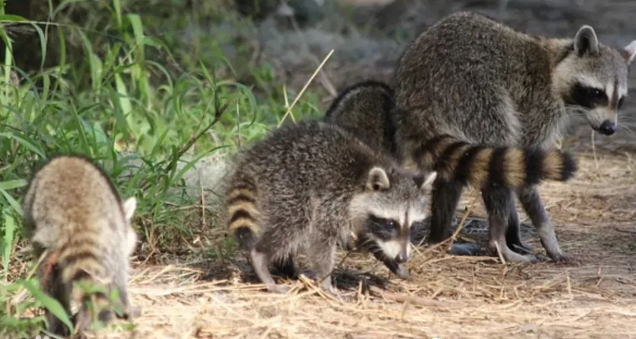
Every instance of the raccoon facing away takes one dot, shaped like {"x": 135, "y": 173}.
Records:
{"x": 485, "y": 84}
{"x": 78, "y": 221}
{"x": 309, "y": 187}
{"x": 364, "y": 110}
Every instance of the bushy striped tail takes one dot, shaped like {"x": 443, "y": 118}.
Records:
{"x": 77, "y": 261}
{"x": 242, "y": 211}
{"x": 481, "y": 166}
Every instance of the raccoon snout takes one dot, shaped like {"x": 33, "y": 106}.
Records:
{"x": 402, "y": 257}
{"x": 608, "y": 127}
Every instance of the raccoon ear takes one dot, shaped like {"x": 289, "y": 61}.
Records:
{"x": 378, "y": 179}
{"x": 428, "y": 182}
{"x": 630, "y": 52}
{"x": 586, "y": 42}
{"x": 129, "y": 207}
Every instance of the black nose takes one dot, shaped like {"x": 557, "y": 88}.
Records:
{"x": 402, "y": 257}
{"x": 608, "y": 127}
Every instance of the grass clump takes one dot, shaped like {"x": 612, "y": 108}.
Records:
{"x": 118, "y": 82}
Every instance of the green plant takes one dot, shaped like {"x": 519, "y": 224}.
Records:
{"x": 116, "y": 85}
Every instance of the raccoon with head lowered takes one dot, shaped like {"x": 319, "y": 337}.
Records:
{"x": 481, "y": 83}
{"x": 309, "y": 187}
{"x": 77, "y": 219}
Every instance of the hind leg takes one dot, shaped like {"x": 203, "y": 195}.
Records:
{"x": 321, "y": 255}
{"x": 513, "y": 233}
{"x": 444, "y": 202}
{"x": 61, "y": 292}
{"x": 531, "y": 201}
{"x": 260, "y": 262}
{"x": 287, "y": 267}
{"x": 499, "y": 201}
{"x": 129, "y": 312}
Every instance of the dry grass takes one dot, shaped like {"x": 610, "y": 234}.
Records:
{"x": 448, "y": 296}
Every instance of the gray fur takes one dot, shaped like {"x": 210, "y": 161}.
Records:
{"x": 75, "y": 214}
{"x": 314, "y": 185}
{"x": 364, "y": 110}
{"x": 486, "y": 84}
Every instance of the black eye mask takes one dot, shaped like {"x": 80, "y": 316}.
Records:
{"x": 383, "y": 229}
{"x": 588, "y": 97}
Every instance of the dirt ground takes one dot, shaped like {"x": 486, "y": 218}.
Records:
{"x": 447, "y": 297}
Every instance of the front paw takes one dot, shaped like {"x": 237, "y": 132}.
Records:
{"x": 465, "y": 249}
{"x": 332, "y": 292}
{"x": 279, "y": 289}
{"x": 563, "y": 259}
{"x": 522, "y": 248}
{"x": 309, "y": 274}
{"x": 132, "y": 312}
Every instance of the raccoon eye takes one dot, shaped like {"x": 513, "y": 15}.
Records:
{"x": 390, "y": 224}
{"x": 598, "y": 93}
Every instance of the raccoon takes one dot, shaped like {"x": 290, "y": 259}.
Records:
{"x": 309, "y": 187}
{"x": 486, "y": 85}
{"x": 364, "y": 110}
{"x": 75, "y": 216}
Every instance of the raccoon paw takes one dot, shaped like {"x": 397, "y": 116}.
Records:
{"x": 132, "y": 312}
{"x": 338, "y": 295}
{"x": 518, "y": 258}
{"x": 564, "y": 259}
{"x": 465, "y": 249}
{"x": 279, "y": 289}
{"x": 309, "y": 274}
{"x": 522, "y": 248}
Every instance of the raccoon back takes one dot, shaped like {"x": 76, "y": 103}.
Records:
{"x": 75, "y": 213}
{"x": 364, "y": 110}
{"x": 290, "y": 165}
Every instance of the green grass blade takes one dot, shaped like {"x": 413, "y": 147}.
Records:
{"x": 63, "y": 5}
{"x": 11, "y": 200}
{"x": 24, "y": 142}
{"x": 12, "y": 184}
{"x": 49, "y": 303}
{"x": 7, "y": 242}
{"x": 5, "y": 38}
{"x": 117, "y": 6}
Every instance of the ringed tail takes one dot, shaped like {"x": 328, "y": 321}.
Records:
{"x": 481, "y": 166}
{"x": 242, "y": 211}
{"x": 78, "y": 260}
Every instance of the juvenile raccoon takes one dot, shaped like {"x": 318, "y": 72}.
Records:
{"x": 74, "y": 214}
{"x": 308, "y": 187}
{"x": 483, "y": 84}
{"x": 364, "y": 110}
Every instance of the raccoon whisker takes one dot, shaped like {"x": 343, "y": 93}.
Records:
{"x": 367, "y": 241}
{"x": 576, "y": 109}
{"x": 627, "y": 119}
{"x": 625, "y": 128}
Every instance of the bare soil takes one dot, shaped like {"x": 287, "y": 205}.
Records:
{"x": 447, "y": 297}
